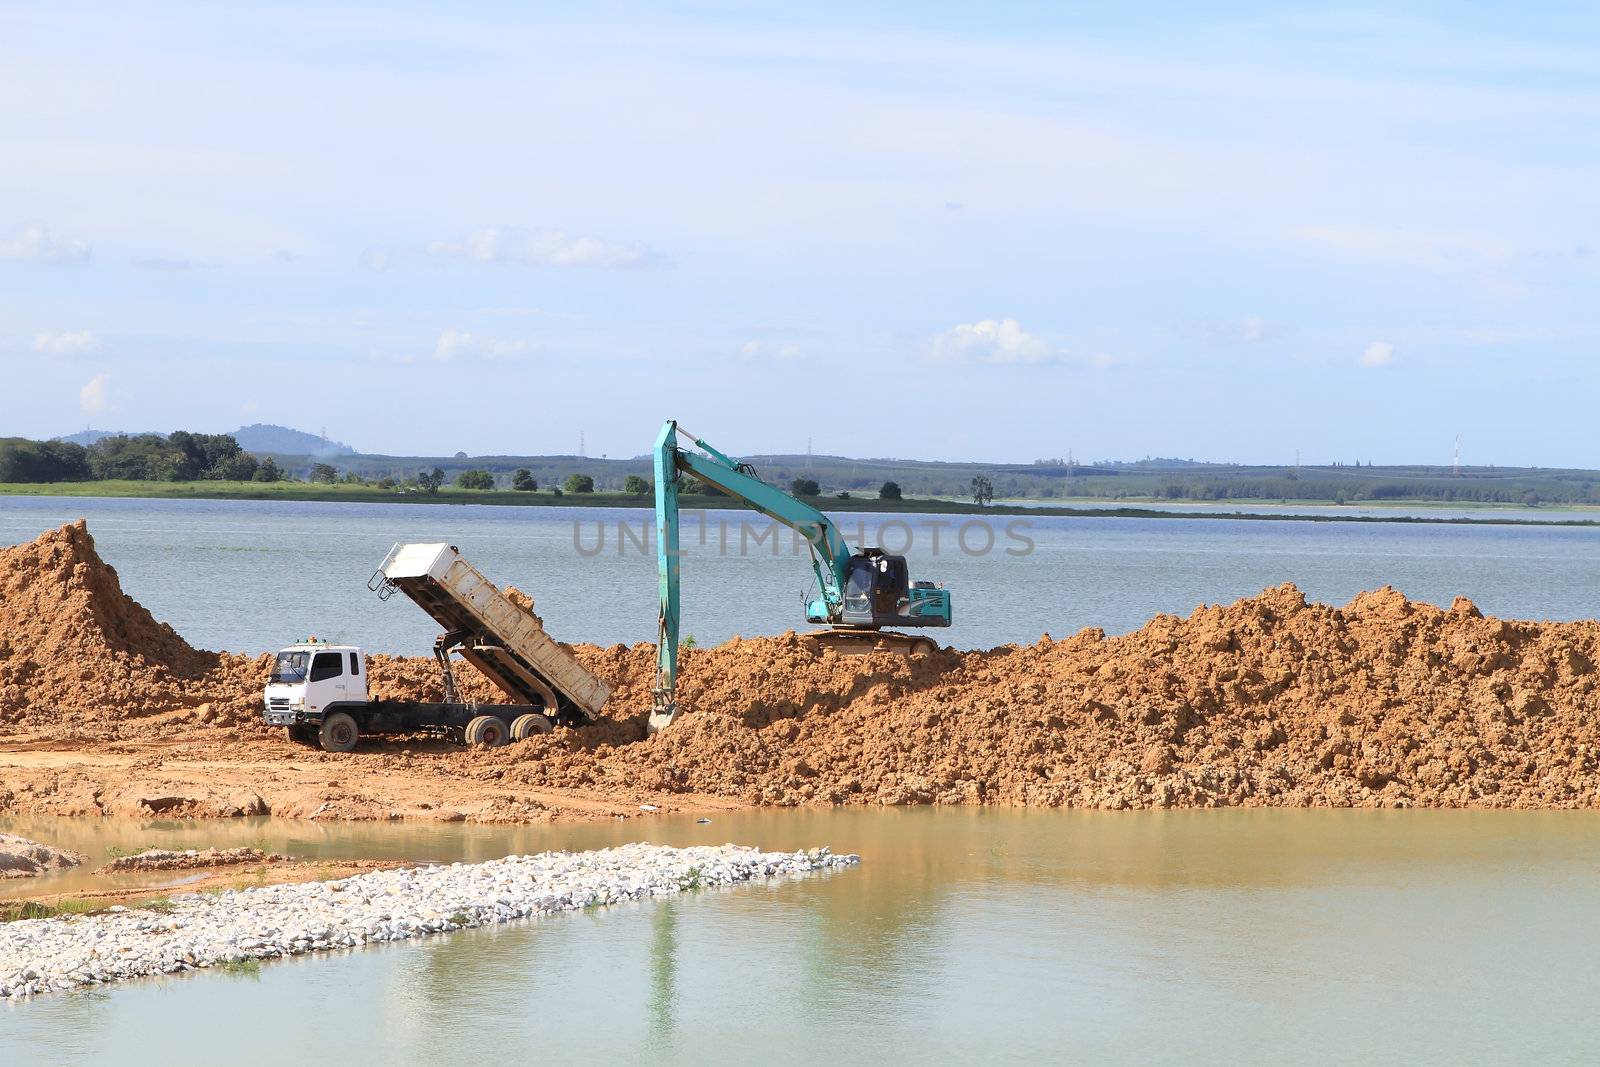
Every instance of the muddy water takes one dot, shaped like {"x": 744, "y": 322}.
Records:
{"x": 249, "y": 576}
{"x": 1214, "y": 937}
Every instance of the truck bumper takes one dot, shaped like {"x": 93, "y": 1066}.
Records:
{"x": 289, "y": 717}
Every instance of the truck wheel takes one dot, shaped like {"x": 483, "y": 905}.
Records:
{"x": 487, "y": 731}
{"x": 530, "y": 725}
{"x": 338, "y": 733}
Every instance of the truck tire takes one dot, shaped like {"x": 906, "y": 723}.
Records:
{"x": 487, "y": 731}
{"x": 339, "y": 733}
{"x": 530, "y": 725}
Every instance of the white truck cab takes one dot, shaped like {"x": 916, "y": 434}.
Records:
{"x": 309, "y": 677}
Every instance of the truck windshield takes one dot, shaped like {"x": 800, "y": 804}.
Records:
{"x": 290, "y": 667}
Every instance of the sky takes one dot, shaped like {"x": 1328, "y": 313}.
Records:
{"x": 1235, "y": 232}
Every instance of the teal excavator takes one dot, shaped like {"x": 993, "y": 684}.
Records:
{"x": 860, "y": 593}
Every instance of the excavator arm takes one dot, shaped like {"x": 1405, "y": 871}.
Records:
{"x": 830, "y": 555}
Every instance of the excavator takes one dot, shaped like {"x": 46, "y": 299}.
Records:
{"x": 860, "y": 593}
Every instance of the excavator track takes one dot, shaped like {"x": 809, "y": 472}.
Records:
{"x": 865, "y": 642}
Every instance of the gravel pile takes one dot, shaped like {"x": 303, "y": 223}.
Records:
{"x": 63, "y": 953}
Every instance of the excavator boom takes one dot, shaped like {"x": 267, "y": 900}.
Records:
{"x": 859, "y": 592}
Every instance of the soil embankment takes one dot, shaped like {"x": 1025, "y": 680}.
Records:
{"x": 1268, "y": 701}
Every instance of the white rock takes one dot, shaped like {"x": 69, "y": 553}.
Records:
{"x": 63, "y": 953}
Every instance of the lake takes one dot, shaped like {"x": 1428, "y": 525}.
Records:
{"x": 251, "y": 576}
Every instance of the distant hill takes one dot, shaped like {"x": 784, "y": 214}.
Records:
{"x": 89, "y": 437}
{"x": 260, "y": 437}
{"x": 265, "y": 437}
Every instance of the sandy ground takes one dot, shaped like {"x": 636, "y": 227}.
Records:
{"x": 213, "y": 773}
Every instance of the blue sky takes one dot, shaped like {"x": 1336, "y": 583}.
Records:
{"x": 996, "y": 232}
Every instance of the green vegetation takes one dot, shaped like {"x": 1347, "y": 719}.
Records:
{"x": 160, "y": 904}
{"x": 890, "y": 491}
{"x": 461, "y": 918}
{"x": 16, "y": 910}
{"x": 179, "y": 457}
{"x": 116, "y": 852}
{"x": 242, "y": 967}
{"x": 475, "y": 480}
{"x": 523, "y": 481}
{"x": 634, "y": 485}
{"x": 578, "y": 483}
{"x": 982, "y": 491}
{"x": 430, "y": 481}
{"x": 805, "y": 487}
{"x": 22, "y": 460}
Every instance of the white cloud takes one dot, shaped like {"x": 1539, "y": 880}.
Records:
{"x": 1378, "y": 354}
{"x": 990, "y": 341}
{"x": 66, "y": 343}
{"x": 459, "y": 345}
{"x": 547, "y": 248}
{"x": 1252, "y": 329}
{"x": 1406, "y": 248}
{"x": 95, "y": 396}
{"x": 36, "y": 244}
{"x": 767, "y": 350}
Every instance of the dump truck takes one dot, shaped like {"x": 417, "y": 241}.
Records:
{"x": 318, "y": 691}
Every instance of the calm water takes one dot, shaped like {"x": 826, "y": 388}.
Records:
{"x": 1180, "y": 937}
{"x": 251, "y": 576}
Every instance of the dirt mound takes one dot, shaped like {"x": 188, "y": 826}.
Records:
{"x": 72, "y": 642}
{"x": 75, "y": 649}
{"x": 1267, "y": 701}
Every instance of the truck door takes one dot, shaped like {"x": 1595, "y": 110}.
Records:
{"x": 356, "y": 689}
{"x": 327, "y": 682}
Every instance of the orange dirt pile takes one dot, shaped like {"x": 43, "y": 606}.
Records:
{"x": 77, "y": 655}
{"x": 72, "y": 642}
{"x": 1267, "y": 701}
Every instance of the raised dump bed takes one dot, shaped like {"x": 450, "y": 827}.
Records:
{"x": 318, "y": 692}
{"x": 505, "y": 642}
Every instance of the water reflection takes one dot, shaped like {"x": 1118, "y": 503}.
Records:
{"x": 663, "y": 974}
{"x": 1195, "y": 936}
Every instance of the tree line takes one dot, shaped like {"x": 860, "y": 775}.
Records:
{"x": 178, "y": 457}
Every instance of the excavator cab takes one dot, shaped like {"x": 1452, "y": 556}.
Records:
{"x": 878, "y": 591}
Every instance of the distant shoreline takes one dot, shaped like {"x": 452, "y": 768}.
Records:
{"x": 369, "y": 494}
